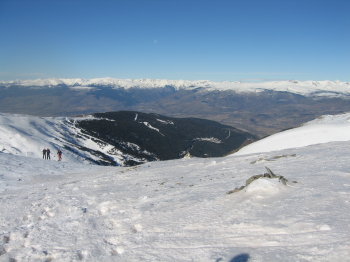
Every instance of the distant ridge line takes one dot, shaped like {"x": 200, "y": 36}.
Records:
{"x": 307, "y": 88}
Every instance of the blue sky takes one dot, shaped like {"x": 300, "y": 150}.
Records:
{"x": 247, "y": 40}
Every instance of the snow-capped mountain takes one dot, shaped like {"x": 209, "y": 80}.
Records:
{"x": 182, "y": 210}
{"x": 307, "y": 88}
{"x": 261, "y": 108}
{"x": 119, "y": 138}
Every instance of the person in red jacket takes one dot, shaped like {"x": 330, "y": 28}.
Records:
{"x": 59, "y": 154}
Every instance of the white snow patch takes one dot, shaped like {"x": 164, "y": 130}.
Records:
{"x": 151, "y": 127}
{"x": 264, "y": 187}
{"x": 209, "y": 139}
{"x": 136, "y": 147}
{"x": 228, "y": 135}
{"x": 166, "y": 122}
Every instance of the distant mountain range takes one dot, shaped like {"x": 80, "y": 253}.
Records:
{"x": 119, "y": 138}
{"x": 261, "y": 108}
{"x": 310, "y": 88}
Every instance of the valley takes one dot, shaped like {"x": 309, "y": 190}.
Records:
{"x": 124, "y": 138}
{"x": 259, "y": 108}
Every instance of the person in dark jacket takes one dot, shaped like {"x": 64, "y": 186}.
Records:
{"x": 48, "y": 153}
{"x": 44, "y": 153}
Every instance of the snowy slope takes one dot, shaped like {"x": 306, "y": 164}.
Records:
{"x": 28, "y": 136}
{"x": 308, "y": 88}
{"x": 322, "y": 130}
{"x": 178, "y": 210}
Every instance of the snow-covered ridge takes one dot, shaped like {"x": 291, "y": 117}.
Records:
{"x": 328, "y": 128}
{"x": 315, "y": 88}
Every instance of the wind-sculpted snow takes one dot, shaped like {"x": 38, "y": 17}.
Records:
{"x": 308, "y": 88}
{"x": 323, "y": 130}
{"x": 178, "y": 210}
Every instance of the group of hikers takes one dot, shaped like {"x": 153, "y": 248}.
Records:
{"x": 47, "y": 154}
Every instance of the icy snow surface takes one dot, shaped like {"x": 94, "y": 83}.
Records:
{"x": 179, "y": 210}
{"x": 322, "y": 130}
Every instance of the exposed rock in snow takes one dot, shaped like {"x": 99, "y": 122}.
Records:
{"x": 264, "y": 184}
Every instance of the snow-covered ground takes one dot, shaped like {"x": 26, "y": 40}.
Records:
{"x": 179, "y": 210}
{"x": 325, "y": 129}
{"x": 313, "y": 88}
